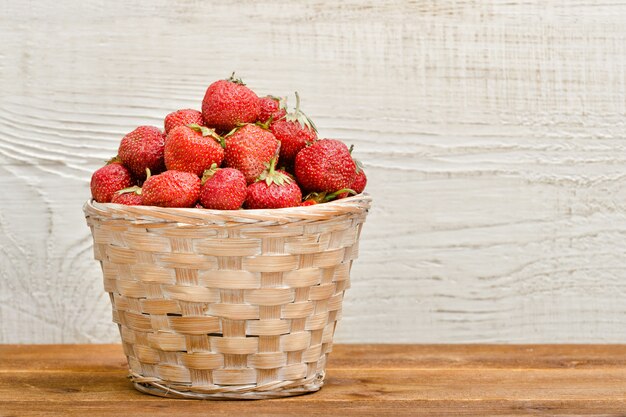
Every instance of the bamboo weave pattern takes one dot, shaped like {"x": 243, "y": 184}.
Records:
{"x": 227, "y": 304}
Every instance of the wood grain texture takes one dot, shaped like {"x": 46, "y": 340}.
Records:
{"x": 492, "y": 133}
{"x": 362, "y": 380}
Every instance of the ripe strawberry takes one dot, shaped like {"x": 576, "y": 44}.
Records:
{"x": 308, "y": 203}
{"x": 326, "y": 165}
{"x": 143, "y": 148}
{"x": 294, "y": 132}
{"x": 271, "y": 107}
{"x": 249, "y": 149}
{"x": 128, "y": 196}
{"x": 193, "y": 149}
{"x": 358, "y": 185}
{"x": 171, "y": 189}
{"x": 107, "y": 180}
{"x": 223, "y": 189}
{"x": 228, "y": 103}
{"x": 274, "y": 189}
{"x": 182, "y": 118}
{"x": 360, "y": 180}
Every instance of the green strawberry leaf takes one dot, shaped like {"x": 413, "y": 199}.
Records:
{"x": 315, "y": 196}
{"x": 265, "y": 125}
{"x": 115, "y": 160}
{"x": 208, "y": 173}
{"x": 359, "y": 164}
{"x": 205, "y": 131}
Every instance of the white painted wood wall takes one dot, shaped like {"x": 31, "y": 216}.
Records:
{"x": 493, "y": 133}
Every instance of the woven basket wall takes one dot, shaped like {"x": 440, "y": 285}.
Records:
{"x": 227, "y": 304}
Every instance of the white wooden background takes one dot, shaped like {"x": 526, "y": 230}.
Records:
{"x": 493, "y": 133}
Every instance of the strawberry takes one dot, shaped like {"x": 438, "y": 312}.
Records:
{"x": 107, "y": 180}
{"x": 171, "y": 189}
{"x": 128, "y": 196}
{"x": 249, "y": 149}
{"x": 193, "y": 148}
{"x": 182, "y": 118}
{"x": 308, "y": 203}
{"x": 325, "y": 166}
{"x": 274, "y": 189}
{"x": 271, "y": 107}
{"x": 360, "y": 180}
{"x": 294, "y": 132}
{"x": 143, "y": 148}
{"x": 223, "y": 189}
{"x": 228, "y": 103}
{"x": 358, "y": 185}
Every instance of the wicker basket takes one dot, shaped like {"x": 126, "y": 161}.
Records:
{"x": 227, "y": 304}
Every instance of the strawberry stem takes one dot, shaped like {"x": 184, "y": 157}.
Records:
{"x": 334, "y": 195}
{"x": 235, "y": 80}
{"x": 299, "y": 116}
{"x": 270, "y": 175}
{"x": 297, "y": 102}
{"x": 233, "y": 130}
{"x": 134, "y": 189}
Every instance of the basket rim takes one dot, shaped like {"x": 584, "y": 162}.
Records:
{"x": 350, "y": 205}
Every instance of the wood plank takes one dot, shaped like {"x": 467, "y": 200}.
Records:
{"x": 346, "y": 356}
{"x": 501, "y": 123}
{"x": 68, "y": 358}
{"x": 367, "y": 384}
{"x": 366, "y": 356}
{"x": 434, "y": 380}
{"x": 295, "y": 407}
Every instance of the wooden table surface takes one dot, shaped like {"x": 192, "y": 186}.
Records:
{"x": 398, "y": 380}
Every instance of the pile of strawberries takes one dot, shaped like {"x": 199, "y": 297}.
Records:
{"x": 239, "y": 151}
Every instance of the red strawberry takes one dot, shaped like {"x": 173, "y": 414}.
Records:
{"x": 271, "y": 107}
{"x": 107, "y": 180}
{"x": 192, "y": 149}
{"x": 182, "y": 118}
{"x": 228, "y": 103}
{"x": 249, "y": 149}
{"x": 358, "y": 185}
{"x": 223, "y": 189}
{"x": 274, "y": 189}
{"x": 308, "y": 203}
{"x": 360, "y": 180}
{"x": 171, "y": 189}
{"x": 326, "y": 165}
{"x": 294, "y": 132}
{"x": 143, "y": 148}
{"x": 128, "y": 196}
